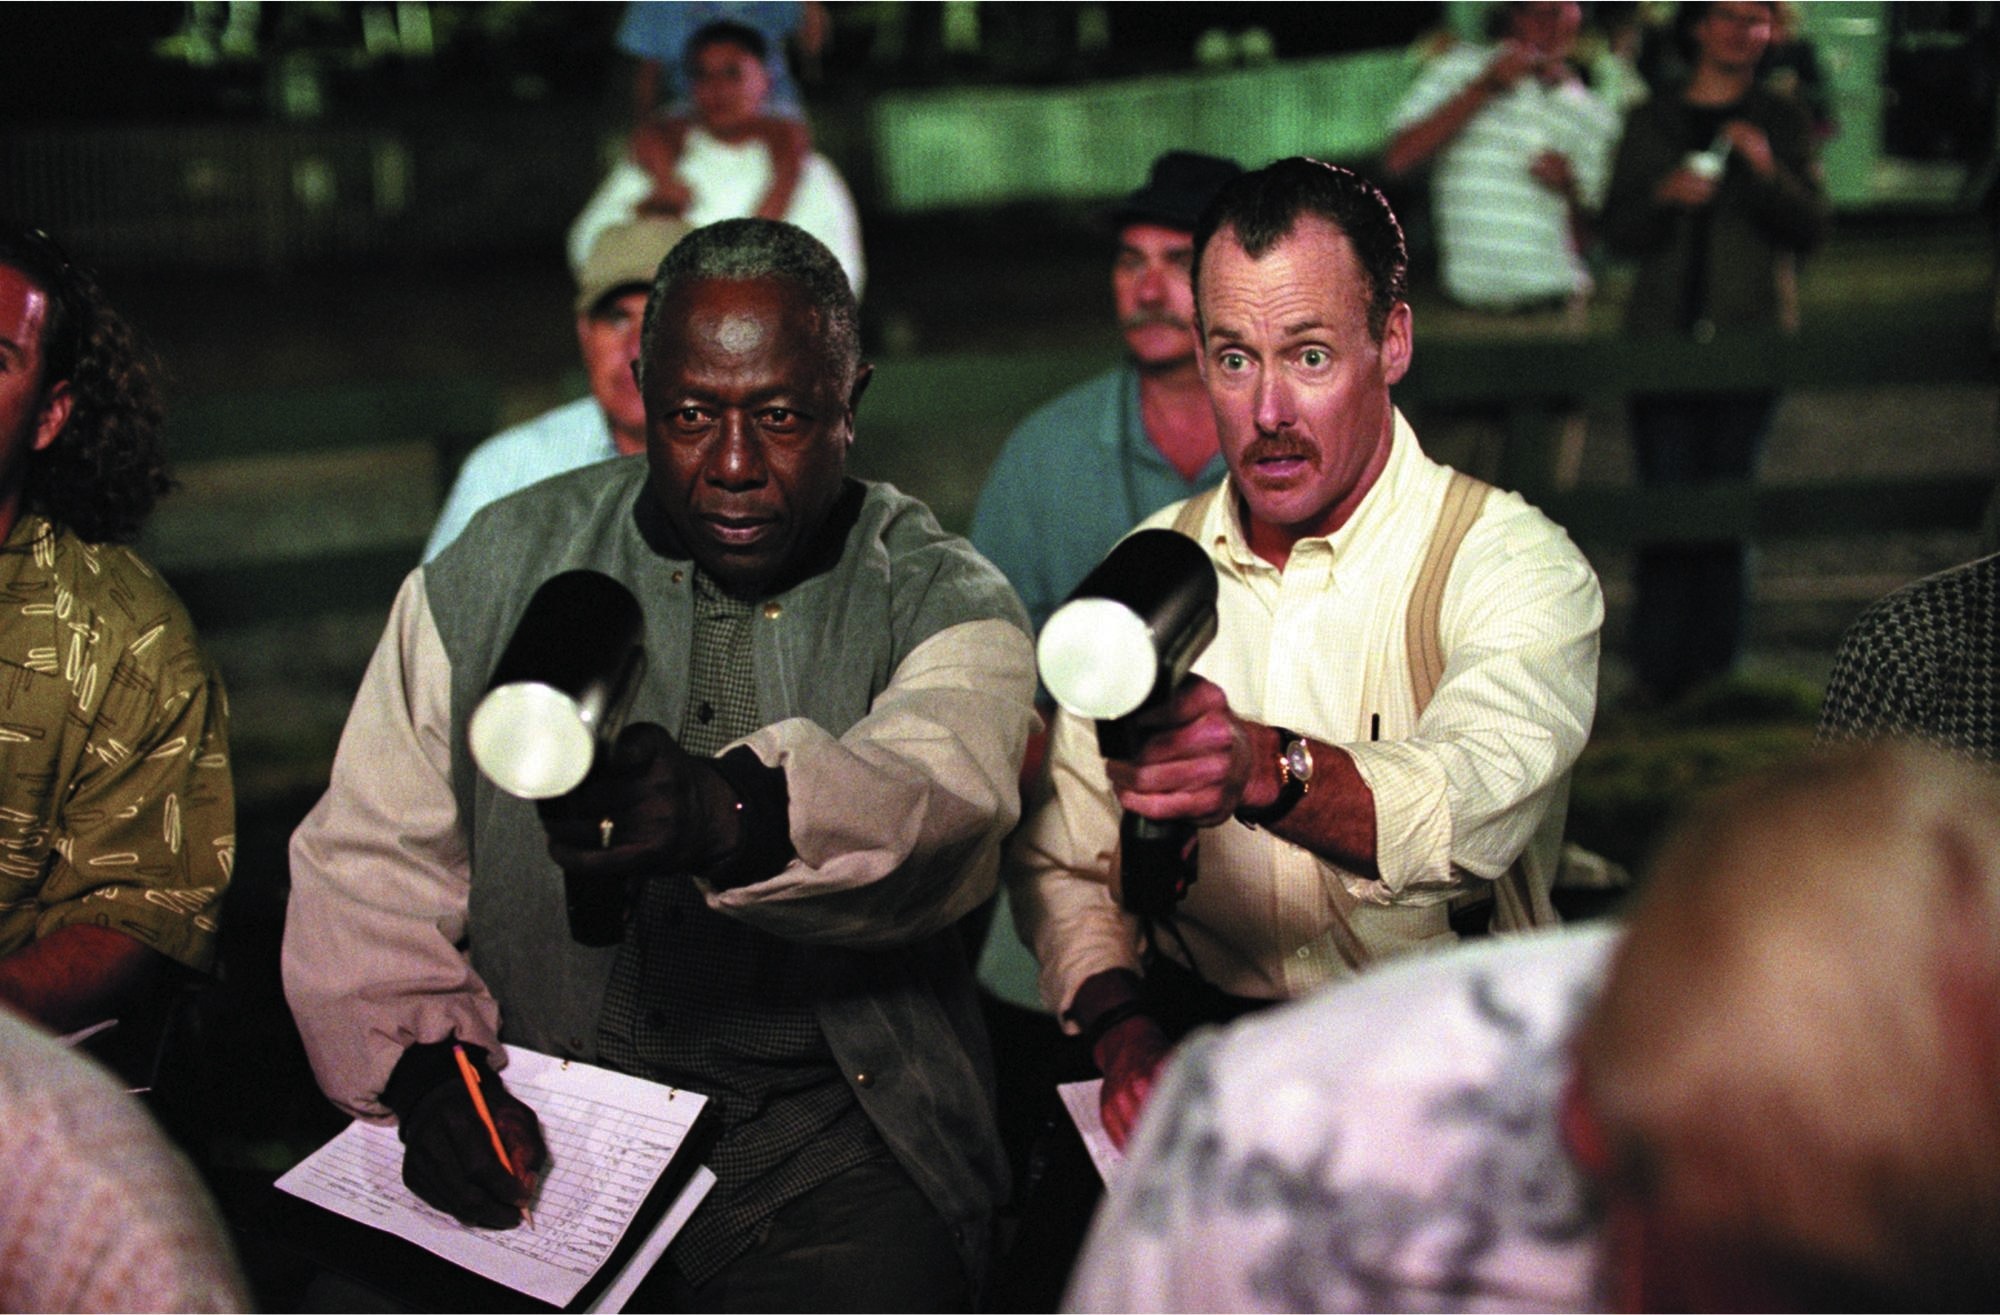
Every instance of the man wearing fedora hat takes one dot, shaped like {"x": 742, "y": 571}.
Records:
{"x": 611, "y": 290}
{"x": 1116, "y": 448}
{"x": 1085, "y": 468}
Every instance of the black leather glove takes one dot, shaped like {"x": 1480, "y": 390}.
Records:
{"x": 724, "y": 818}
{"x": 448, "y": 1155}
{"x": 668, "y": 811}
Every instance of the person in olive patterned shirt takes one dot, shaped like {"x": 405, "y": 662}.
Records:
{"x": 117, "y": 816}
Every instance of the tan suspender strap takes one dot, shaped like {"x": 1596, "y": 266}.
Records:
{"x": 1518, "y": 903}
{"x": 1464, "y": 498}
{"x": 1188, "y": 519}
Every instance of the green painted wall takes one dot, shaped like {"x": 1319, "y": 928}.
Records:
{"x": 975, "y": 146}
{"x": 980, "y": 146}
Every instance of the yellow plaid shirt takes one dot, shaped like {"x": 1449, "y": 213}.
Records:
{"x": 1320, "y": 649}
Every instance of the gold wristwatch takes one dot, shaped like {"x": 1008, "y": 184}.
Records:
{"x": 1295, "y": 773}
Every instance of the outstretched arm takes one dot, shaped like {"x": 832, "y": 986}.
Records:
{"x": 897, "y": 824}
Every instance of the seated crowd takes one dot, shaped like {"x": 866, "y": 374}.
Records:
{"x": 1763, "y": 1086}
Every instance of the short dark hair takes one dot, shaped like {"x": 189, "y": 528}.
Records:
{"x": 1262, "y": 207}
{"x": 107, "y": 468}
{"x": 756, "y": 249}
{"x": 729, "y": 33}
{"x": 1688, "y": 17}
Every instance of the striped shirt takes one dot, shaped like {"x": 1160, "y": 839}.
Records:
{"x": 1504, "y": 239}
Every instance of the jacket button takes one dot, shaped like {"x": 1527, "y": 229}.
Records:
{"x": 772, "y": 611}
{"x": 864, "y": 1079}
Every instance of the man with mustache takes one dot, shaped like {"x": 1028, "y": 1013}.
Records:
{"x": 1084, "y": 469}
{"x": 820, "y": 767}
{"x": 1406, "y": 665}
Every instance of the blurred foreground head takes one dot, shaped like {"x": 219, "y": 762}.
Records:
{"x": 1790, "y": 1088}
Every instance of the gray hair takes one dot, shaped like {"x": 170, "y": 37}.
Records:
{"x": 760, "y": 249}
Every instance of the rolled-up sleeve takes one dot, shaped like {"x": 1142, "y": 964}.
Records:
{"x": 373, "y": 957}
{"x": 898, "y": 823}
{"x": 1464, "y": 795}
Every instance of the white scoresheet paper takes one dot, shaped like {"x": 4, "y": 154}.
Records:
{"x": 1083, "y": 1100}
{"x": 609, "y": 1136}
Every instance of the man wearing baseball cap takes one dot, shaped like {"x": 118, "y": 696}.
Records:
{"x": 611, "y": 291}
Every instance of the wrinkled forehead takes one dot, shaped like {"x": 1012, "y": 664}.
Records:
{"x": 1312, "y": 255}
{"x": 767, "y": 318}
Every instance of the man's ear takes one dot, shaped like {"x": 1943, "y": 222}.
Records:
{"x": 1398, "y": 343}
{"x": 861, "y": 378}
{"x": 55, "y": 414}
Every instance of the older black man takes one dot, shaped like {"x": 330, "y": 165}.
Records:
{"x": 821, "y": 766}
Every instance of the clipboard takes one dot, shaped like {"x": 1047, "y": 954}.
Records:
{"x": 346, "y": 1209}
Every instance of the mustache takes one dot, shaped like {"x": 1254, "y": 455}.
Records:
{"x": 1147, "y": 318}
{"x": 1273, "y": 447}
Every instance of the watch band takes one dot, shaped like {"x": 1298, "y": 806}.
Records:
{"x": 1291, "y": 788}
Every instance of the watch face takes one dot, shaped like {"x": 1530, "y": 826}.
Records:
{"x": 1298, "y": 757}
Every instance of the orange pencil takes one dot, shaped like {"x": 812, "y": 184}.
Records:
{"x": 471, "y": 1076}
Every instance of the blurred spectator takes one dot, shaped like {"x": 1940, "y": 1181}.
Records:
{"x": 100, "y": 1212}
{"x": 611, "y": 292}
{"x": 1924, "y": 662}
{"x": 725, "y": 162}
{"x": 729, "y": 68}
{"x": 1521, "y": 147}
{"x": 1115, "y": 449}
{"x": 1791, "y": 68}
{"x": 657, "y": 34}
{"x": 1716, "y": 191}
{"x": 117, "y": 814}
{"x": 1776, "y": 1090}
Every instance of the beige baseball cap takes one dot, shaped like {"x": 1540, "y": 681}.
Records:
{"x": 624, "y": 255}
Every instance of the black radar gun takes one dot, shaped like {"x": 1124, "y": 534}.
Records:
{"x": 557, "y": 699}
{"x": 1119, "y": 646}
